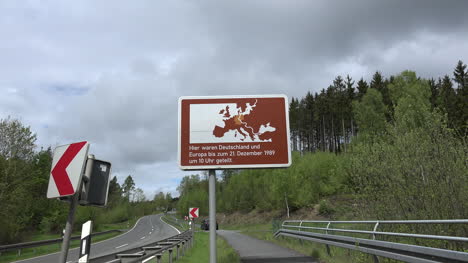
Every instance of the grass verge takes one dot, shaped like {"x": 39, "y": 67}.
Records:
{"x": 200, "y": 251}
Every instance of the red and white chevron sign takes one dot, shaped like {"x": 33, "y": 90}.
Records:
{"x": 193, "y": 212}
{"x": 68, "y": 166}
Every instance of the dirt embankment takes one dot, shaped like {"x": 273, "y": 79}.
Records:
{"x": 256, "y": 217}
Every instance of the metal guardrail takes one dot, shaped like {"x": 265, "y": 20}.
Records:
{"x": 307, "y": 230}
{"x": 19, "y": 246}
{"x": 179, "y": 244}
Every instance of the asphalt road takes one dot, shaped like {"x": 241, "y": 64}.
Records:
{"x": 148, "y": 229}
{"x": 252, "y": 250}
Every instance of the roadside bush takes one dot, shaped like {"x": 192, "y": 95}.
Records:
{"x": 325, "y": 208}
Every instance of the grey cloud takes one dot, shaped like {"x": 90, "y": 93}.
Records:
{"x": 136, "y": 58}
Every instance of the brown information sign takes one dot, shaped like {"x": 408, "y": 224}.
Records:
{"x": 234, "y": 132}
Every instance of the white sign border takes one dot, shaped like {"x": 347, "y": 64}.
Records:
{"x": 241, "y": 166}
{"x": 197, "y": 212}
{"x": 77, "y": 188}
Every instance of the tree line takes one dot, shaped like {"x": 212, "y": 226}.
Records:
{"x": 396, "y": 147}
{"x": 324, "y": 121}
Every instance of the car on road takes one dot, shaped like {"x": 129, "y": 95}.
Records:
{"x": 205, "y": 224}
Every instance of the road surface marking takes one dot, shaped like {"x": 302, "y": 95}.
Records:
{"x": 169, "y": 225}
{"x": 122, "y": 245}
{"x": 46, "y": 255}
{"x": 148, "y": 259}
{"x": 142, "y": 237}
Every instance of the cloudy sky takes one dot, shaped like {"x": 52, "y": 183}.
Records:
{"x": 111, "y": 72}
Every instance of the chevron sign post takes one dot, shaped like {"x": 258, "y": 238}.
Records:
{"x": 67, "y": 169}
{"x": 68, "y": 166}
{"x": 193, "y": 212}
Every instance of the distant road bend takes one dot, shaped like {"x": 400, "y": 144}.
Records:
{"x": 148, "y": 229}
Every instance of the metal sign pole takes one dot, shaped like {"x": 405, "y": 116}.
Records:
{"x": 68, "y": 229}
{"x": 71, "y": 214}
{"x": 212, "y": 207}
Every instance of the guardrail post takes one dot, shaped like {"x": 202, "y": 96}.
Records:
{"x": 300, "y": 229}
{"x": 19, "y": 252}
{"x": 326, "y": 232}
{"x": 170, "y": 255}
{"x": 193, "y": 238}
{"x": 177, "y": 251}
{"x": 376, "y": 259}
{"x": 184, "y": 244}
{"x": 158, "y": 258}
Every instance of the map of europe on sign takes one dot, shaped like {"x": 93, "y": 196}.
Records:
{"x": 233, "y": 132}
{"x": 229, "y": 122}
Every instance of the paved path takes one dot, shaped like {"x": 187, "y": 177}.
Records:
{"x": 252, "y": 250}
{"x": 148, "y": 229}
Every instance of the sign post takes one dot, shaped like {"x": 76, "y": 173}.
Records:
{"x": 70, "y": 164}
{"x": 232, "y": 132}
{"x": 212, "y": 213}
{"x": 68, "y": 229}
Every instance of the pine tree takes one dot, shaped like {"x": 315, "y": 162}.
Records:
{"x": 460, "y": 111}
{"x": 461, "y": 75}
{"x": 309, "y": 111}
{"x": 293, "y": 122}
{"x": 447, "y": 99}
{"x": 377, "y": 82}
{"x": 434, "y": 92}
{"x": 362, "y": 87}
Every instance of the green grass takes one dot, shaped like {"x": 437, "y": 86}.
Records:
{"x": 43, "y": 250}
{"x": 200, "y": 251}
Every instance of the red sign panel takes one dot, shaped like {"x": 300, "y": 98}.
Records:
{"x": 233, "y": 132}
{"x": 67, "y": 169}
{"x": 193, "y": 212}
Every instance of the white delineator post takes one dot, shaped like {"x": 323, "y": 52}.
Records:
{"x": 212, "y": 214}
{"x": 85, "y": 244}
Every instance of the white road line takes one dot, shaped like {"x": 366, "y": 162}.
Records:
{"x": 143, "y": 238}
{"x": 79, "y": 248}
{"x": 151, "y": 221}
{"x": 148, "y": 259}
{"x": 91, "y": 244}
{"x": 122, "y": 245}
{"x": 169, "y": 225}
